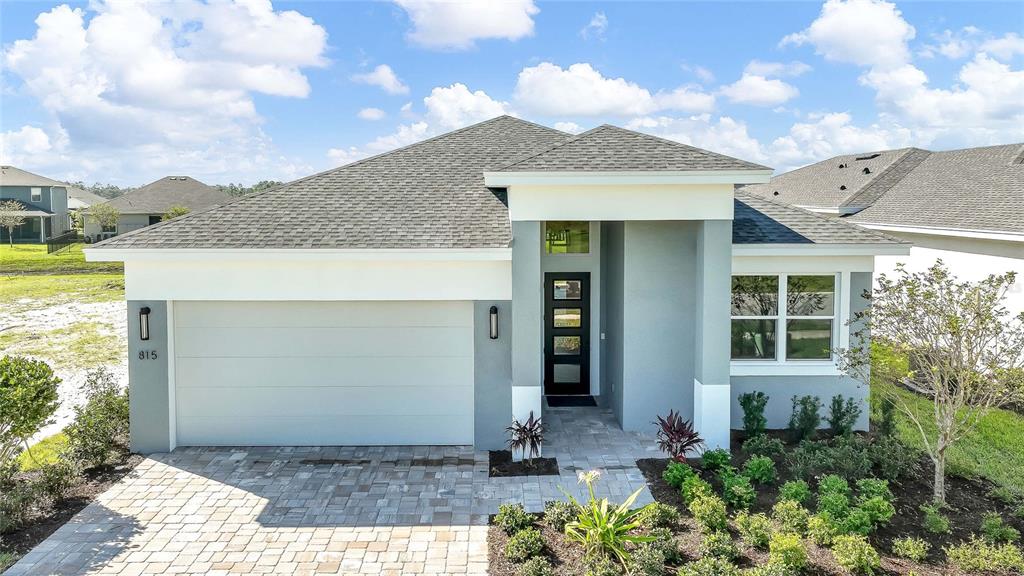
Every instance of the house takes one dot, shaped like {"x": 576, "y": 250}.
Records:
{"x": 45, "y": 201}
{"x": 147, "y": 205}
{"x": 963, "y": 206}
{"x": 79, "y": 199}
{"x": 430, "y": 294}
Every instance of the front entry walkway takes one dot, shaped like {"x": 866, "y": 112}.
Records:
{"x": 344, "y": 510}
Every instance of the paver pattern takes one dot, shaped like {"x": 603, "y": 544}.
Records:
{"x": 332, "y": 510}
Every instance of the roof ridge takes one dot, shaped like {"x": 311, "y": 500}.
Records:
{"x": 572, "y": 138}
{"x": 877, "y": 186}
{"x": 690, "y": 147}
{"x": 876, "y": 233}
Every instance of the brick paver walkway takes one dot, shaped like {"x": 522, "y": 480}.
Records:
{"x": 339, "y": 510}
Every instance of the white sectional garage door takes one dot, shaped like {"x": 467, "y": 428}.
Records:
{"x": 323, "y": 373}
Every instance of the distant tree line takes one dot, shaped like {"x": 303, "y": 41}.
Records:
{"x": 240, "y": 190}
{"x": 110, "y": 191}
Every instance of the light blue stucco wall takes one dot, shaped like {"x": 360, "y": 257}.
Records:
{"x": 149, "y": 398}
{"x": 528, "y": 295}
{"x": 492, "y": 374}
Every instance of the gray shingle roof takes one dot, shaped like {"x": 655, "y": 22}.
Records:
{"x": 83, "y": 197}
{"x": 971, "y": 189}
{"x": 158, "y": 197}
{"x": 759, "y": 220}
{"x": 11, "y": 176}
{"x": 610, "y": 148}
{"x": 427, "y": 195}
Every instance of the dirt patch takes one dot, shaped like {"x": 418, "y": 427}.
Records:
{"x": 500, "y": 465}
{"x": 94, "y": 482}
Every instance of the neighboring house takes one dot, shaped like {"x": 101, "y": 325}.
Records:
{"x": 45, "y": 201}
{"x": 430, "y": 294}
{"x": 79, "y": 199}
{"x": 147, "y": 205}
{"x": 963, "y": 206}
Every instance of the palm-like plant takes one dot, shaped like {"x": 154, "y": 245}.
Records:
{"x": 677, "y": 436}
{"x": 526, "y": 436}
{"x": 603, "y": 529}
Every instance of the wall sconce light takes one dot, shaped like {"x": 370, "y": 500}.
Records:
{"x": 144, "y": 323}
{"x": 494, "y": 322}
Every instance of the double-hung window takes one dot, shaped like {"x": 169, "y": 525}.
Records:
{"x": 783, "y": 317}
{"x": 36, "y": 195}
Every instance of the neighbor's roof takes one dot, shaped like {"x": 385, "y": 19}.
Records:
{"x": 30, "y": 210}
{"x": 970, "y": 189}
{"x": 78, "y": 198}
{"x": 612, "y": 149}
{"x": 758, "y": 220}
{"x": 160, "y": 196}
{"x": 11, "y": 176}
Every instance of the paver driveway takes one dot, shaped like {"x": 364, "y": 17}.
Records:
{"x": 344, "y": 510}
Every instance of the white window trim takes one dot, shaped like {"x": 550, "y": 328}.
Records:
{"x": 35, "y": 194}
{"x": 780, "y": 366}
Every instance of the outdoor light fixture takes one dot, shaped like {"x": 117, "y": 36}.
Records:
{"x": 494, "y": 322}
{"x": 144, "y": 323}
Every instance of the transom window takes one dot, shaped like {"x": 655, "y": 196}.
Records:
{"x": 567, "y": 237}
{"x": 802, "y": 329}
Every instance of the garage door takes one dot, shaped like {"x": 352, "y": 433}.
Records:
{"x": 323, "y": 373}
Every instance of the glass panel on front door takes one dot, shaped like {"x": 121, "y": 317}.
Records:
{"x": 567, "y": 333}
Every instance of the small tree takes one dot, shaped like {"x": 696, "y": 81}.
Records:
{"x": 964, "y": 351}
{"x": 175, "y": 211}
{"x": 11, "y": 216}
{"x": 105, "y": 214}
{"x": 28, "y": 398}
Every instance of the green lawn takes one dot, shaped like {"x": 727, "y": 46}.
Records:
{"x": 995, "y": 450}
{"x": 46, "y": 451}
{"x": 33, "y": 259}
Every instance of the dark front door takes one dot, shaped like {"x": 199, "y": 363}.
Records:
{"x": 567, "y": 333}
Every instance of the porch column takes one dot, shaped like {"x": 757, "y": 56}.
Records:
{"x": 527, "y": 326}
{"x": 712, "y": 396}
{"x": 42, "y": 230}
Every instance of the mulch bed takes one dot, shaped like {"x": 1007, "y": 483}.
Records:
{"x": 565, "y": 557}
{"x": 500, "y": 465}
{"x": 93, "y": 482}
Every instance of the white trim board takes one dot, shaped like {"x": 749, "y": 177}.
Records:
{"x": 938, "y": 231}
{"x": 620, "y": 202}
{"x": 292, "y": 254}
{"x": 891, "y": 249}
{"x": 500, "y": 179}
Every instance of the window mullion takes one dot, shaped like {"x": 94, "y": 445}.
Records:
{"x": 780, "y": 328}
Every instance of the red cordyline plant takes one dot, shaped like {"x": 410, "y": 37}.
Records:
{"x": 526, "y": 437}
{"x": 677, "y": 436}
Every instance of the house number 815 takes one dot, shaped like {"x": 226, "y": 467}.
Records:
{"x": 147, "y": 355}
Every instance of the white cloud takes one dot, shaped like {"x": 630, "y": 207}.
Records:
{"x": 384, "y": 78}
{"x": 596, "y": 28}
{"x": 580, "y": 90}
{"x": 953, "y": 45}
{"x": 140, "y": 87}
{"x": 444, "y": 24}
{"x": 372, "y": 114}
{"x": 864, "y": 32}
{"x": 725, "y": 136}
{"x": 760, "y": 68}
{"x": 570, "y": 127}
{"x": 1004, "y": 48}
{"x": 757, "y": 90}
{"x": 27, "y": 141}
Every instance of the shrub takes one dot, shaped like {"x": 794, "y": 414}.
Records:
{"x": 709, "y": 567}
{"x": 658, "y": 515}
{"x": 763, "y": 445}
{"x": 884, "y": 419}
{"x": 538, "y": 566}
{"x": 868, "y": 488}
{"x": 693, "y": 488}
{"x": 558, "y": 513}
{"x": 843, "y": 415}
{"x": 28, "y": 398}
{"x": 101, "y": 424}
{"x": 524, "y": 545}
{"x": 17, "y": 500}
{"x": 855, "y": 554}
{"x": 737, "y": 491}
{"x": 836, "y": 505}
{"x": 833, "y": 484}
{"x": 605, "y": 529}
{"x": 795, "y": 490}
{"x": 806, "y": 416}
{"x": 713, "y": 460}
{"x": 857, "y": 521}
{"x": 767, "y": 570}
{"x": 821, "y": 529}
{"x": 719, "y": 545}
{"x": 664, "y": 541}
{"x": 526, "y": 437}
{"x": 753, "y": 404}
{"x": 978, "y": 555}
{"x": 676, "y": 472}
{"x": 513, "y": 517}
{"x": 788, "y": 551}
{"x": 709, "y": 512}
{"x": 915, "y": 549}
{"x": 849, "y": 457}
{"x": 791, "y": 516}
{"x": 56, "y": 478}
{"x": 893, "y": 459}
{"x": 996, "y": 531}
{"x": 760, "y": 469}
{"x": 934, "y": 520}
{"x": 755, "y": 529}
{"x": 601, "y": 565}
{"x": 676, "y": 436}
{"x": 878, "y": 509}
{"x": 646, "y": 560}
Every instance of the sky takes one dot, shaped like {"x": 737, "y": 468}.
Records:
{"x": 128, "y": 92}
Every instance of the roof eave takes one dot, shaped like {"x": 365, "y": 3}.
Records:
{"x": 822, "y": 249}
{"x": 505, "y": 179}
{"x": 100, "y": 253}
